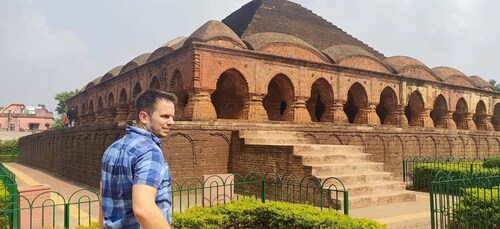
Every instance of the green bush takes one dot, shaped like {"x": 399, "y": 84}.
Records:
{"x": 4, "y": 201}
{"x": 492, "y": 163}
{"x": 478, "y": 208}
{"x": 9, "y": 147}
{"x": 250, "y": 213}
{"x": 8, "y": 158}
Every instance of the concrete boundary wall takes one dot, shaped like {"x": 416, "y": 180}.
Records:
{"x": 194, "y": 149}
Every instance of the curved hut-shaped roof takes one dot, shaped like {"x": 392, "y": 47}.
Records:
{"x": 480, "y": 83}
{"x": 216, "y": 33}
{"x": 356, "y": 57}
{"x": 136, "y": 62}
{"x": 167, "y": 48}
{"x": 411, "y": 67}
{"x": 284, "y": 45}
{"x": 92, "y": 83}
{"x": 452, "y": 76}
{"x": 112, "y": 73}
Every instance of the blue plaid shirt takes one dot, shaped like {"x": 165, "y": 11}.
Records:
{"x": 134, "y": 159}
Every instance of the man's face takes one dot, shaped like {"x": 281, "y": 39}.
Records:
{"x": 161, "y": 120}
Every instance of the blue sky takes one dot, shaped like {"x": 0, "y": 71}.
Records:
{"x": 49, "y": 46}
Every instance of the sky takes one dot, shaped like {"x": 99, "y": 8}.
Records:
{"x": 52, "y": 46}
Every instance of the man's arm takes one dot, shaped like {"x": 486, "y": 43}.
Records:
{"x": 145, "y": 209}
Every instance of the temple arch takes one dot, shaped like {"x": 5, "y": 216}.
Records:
{"x": 357, "y": 99}
{"x": 136, "y": 91}
{"x": 279, "y": 99}
{"x": 91, "y": 107}
{"x": 415, "y": 109}
{"x": 100, "y": 104}
{"x": 439, "y": 112}
{"x": 155, "y": 83}
{"x": 461, "y": 114}
{"x": 111, "y": 100}
{"x": 495, "y": 120}
{"x": 386, "y": 109}
{"x": 231, "y": 95}
{"x": 176, "y": 86}
{"x": 123, "y": 98}
{"x": 481, "y": 118}
{"x": 321, "y": 101}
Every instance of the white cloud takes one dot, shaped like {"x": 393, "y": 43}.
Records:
{"x": 37, "y": 61}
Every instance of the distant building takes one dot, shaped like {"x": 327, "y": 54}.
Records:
{"x": 20, "y": 118}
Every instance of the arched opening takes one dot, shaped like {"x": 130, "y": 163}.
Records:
{"x": 480, "y": 116}
{"x": 155, "y": 83}
{"x": 100, "y": 104}
{"x": 386, "y": 109}
{"x": 461, "y": 113}
{"x": 439, "y": 112}
{"x": 414, "y": 109}
{"x": 122, "y": 100}
{"x": 84, "y": 109}
{"x": 111, "y": 100}
{"x": 137, "y": 90}
{"x": 356, "y": 100}
{"x": 279, "y": 99}
{"x": 230, "y": 96}
{"x": 176, "y": 86}
{"x": 91, "y": 107}
{"x": 495, "y": 119}
{"x": 321, "y": 100}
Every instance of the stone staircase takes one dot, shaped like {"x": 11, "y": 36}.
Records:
{"x": 365, "y": 179}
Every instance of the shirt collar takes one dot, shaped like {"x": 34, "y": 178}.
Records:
{"x": 143, "y": 132}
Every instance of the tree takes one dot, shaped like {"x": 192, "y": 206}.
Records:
{"x": 494, "y": 85}
{"x": 61, "y": 108}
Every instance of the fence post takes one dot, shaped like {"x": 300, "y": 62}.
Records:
{"x": 66, "y": 215}
{"x": 346, "y": 202}
{"x": 404, "y": 170}
{"x": 471, "y": 169}
{"x": 263, "y": 191}
{"x": 431, "y": 193}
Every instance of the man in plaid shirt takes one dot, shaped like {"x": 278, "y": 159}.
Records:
{"x": 135, "y": 180}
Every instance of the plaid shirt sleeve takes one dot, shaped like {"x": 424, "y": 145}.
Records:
{"x": 149, "y": 169}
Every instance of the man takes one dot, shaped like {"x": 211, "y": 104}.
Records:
{"x": 71, "y": 116}
{"x": 135, "y": 180}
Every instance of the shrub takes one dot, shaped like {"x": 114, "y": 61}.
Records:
{"x": 492, "y": 163}
{"x": 8, "y": 158}
{"x": 9, "y": 147}
{"x": 4, "y": 201}
{"x": 250, "y": 213}
{"x": 478, "y": 208}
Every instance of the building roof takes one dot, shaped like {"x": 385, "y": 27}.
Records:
{"x": 215, "y": 30}
{"x": 480, "y": 83}
{"x": 282, "y": 16}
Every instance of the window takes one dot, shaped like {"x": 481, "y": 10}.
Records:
{"x": 34, "y": 126}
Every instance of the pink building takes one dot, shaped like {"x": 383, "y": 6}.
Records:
{"x": 19, "y": 118}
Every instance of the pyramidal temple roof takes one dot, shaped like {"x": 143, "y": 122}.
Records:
{"x": 282, "y": 16}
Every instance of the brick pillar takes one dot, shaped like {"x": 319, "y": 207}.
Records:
{"x": 367, "y": 115}
{"x": 299, "y": 111}
{"x": 391, "y": 118}
{"x": 402, "y": 121}
{"x": 339, "y": 116}
{"x": 121, "y": 113}
{"x": 199, "y": 106}
{"x": 470, "y": 125}
{"x": 425, "y": 118}
{"x": 256, "y": 111}
{"x": 131, "y": 112}
{"x": 91, "y": 118}
{"x": 447, "y": 122}
{"x": 484, "y": 123}
{"x": 99, "y": 117}
{"x": 110, "y": 114}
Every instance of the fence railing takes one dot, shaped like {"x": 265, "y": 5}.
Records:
{"x": 53, "y": 209}
{"x": 459, "y": 201}
{"x": 327, "y": 193}
{"x": 418, "y": 172}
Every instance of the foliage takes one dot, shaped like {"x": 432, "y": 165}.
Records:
{"x": 61, "y": 99}
{"x": 4, "y": 201}
{"x": 9, "y": 147}
{"x": 8, "y": 158}
{"x": 494, "y": 85}
{"x": 250, "y": 213}
{"x": 493, "y": 162}
{"x": 478, "y": 208}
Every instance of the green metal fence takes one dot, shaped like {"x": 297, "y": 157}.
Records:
{"x": 459, "y": 201}
{"x": 53, "y": 209}
{"x": 328, "y": 193}
{"x": 418, "y": 172}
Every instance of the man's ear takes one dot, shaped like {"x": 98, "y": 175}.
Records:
{"x": 143, "y": 117}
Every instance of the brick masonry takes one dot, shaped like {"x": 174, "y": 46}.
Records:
{"x": 194, "y": 149}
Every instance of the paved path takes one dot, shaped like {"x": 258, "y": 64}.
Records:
{"x": 414, "y": 215}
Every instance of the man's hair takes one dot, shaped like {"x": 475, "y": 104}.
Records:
{"x": 146, "y": 101}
